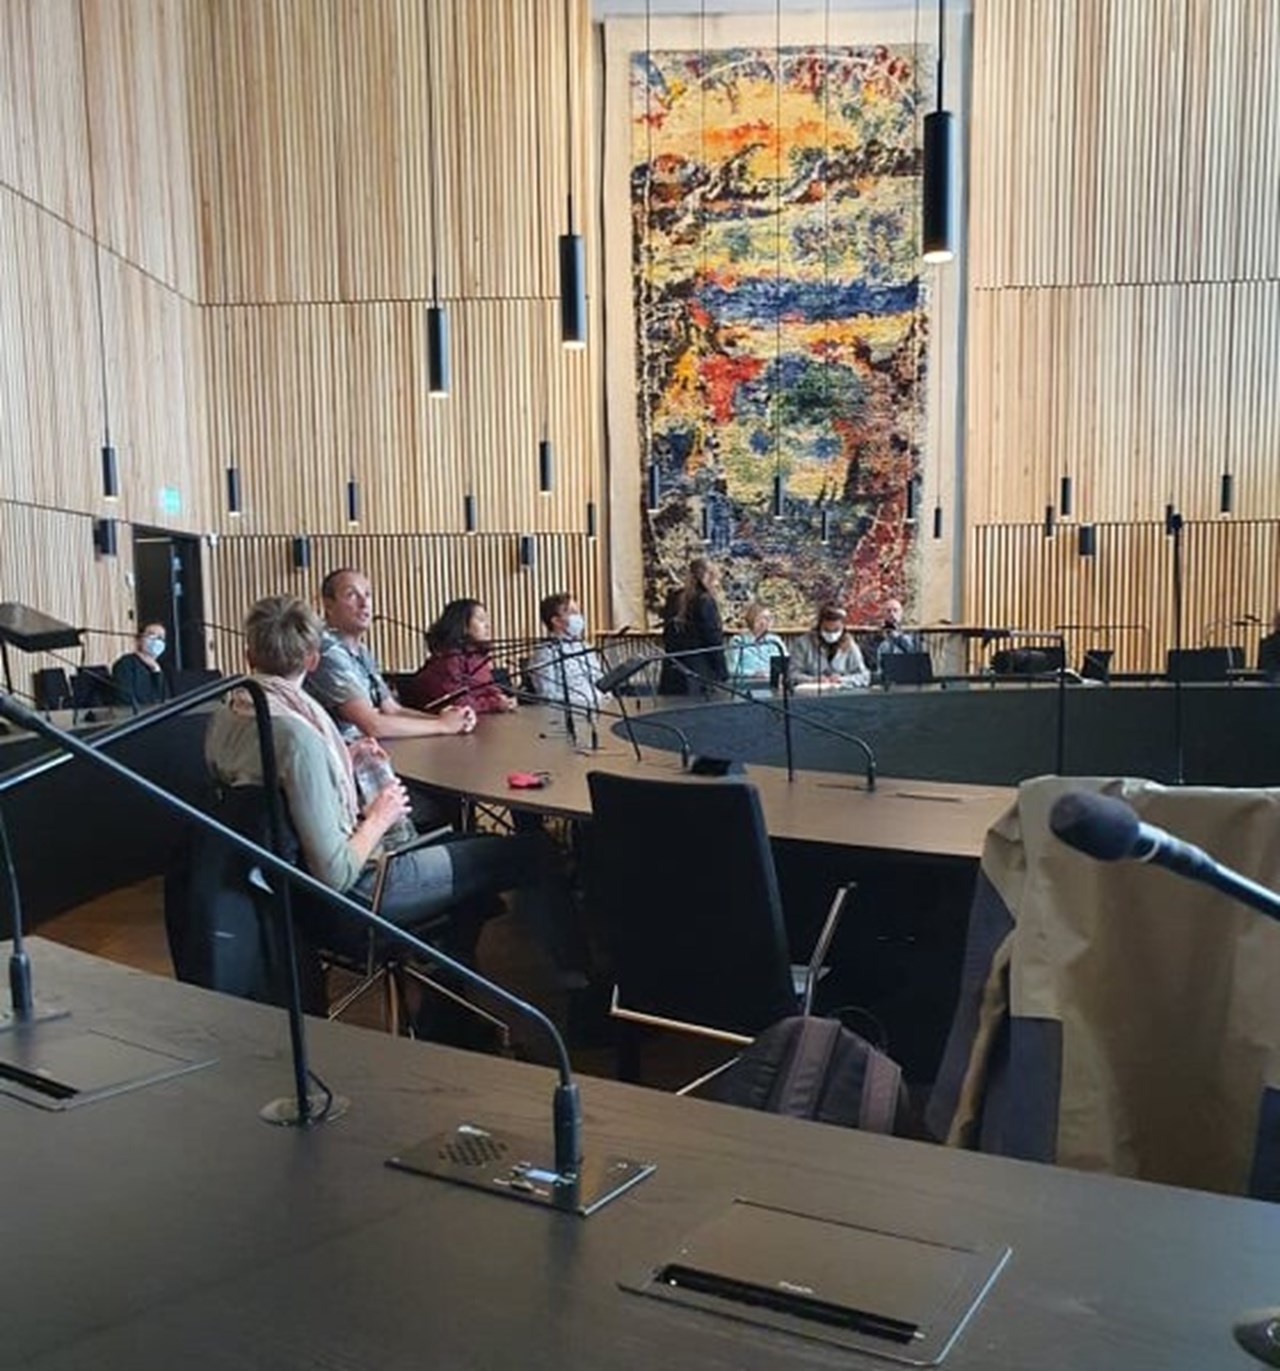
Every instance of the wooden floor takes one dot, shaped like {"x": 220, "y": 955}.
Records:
{"x": 127, "y": 926}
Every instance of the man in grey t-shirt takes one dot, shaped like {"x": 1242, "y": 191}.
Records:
{"x": 347, "y": 681}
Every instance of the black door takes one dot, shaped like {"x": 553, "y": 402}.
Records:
{"x": 168, "y": 590}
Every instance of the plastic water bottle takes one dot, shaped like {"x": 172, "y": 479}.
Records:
{"x": 373, "y": 775}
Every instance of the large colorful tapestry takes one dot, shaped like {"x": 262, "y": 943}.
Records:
{"x": 780, "y": 329}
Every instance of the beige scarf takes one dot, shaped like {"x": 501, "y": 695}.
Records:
{"x": 284, "y": 699}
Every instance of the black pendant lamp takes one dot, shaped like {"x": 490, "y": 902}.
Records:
{"x": 302, "y": 553}
{"x": 573, "y": 272}
{"x": 438, "y": 369}
{"x": 939, "y": 218}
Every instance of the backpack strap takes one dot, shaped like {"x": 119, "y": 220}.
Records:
{"x": 881, "y": 1090}
{"x": 801, "y": 1083}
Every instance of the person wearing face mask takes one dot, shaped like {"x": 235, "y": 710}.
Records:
{"x": 561, "y": 665}
{"x": 136, "y": 676}
{"x": 752, "y": 654}
{"x": 828, "y": 654}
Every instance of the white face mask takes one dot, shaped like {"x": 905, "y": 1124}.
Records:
{"x": 832, "y": 635}
{"x": 575, "y": 625}
{"x": 153, "y": 647}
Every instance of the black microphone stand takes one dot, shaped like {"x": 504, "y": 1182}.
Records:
{"x": 569, "y": 725}
{"x": 786, "y": 713}
{"x": 570, "y": 1184}
{"x": 1173, "y": 523}
{"x": 299, "y": 1111}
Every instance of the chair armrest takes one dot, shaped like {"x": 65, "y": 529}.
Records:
{"x": 823, "y": 945}
{"x": 382, "y": 862}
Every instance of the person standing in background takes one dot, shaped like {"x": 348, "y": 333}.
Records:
{"x": 136, "y": 677}
{"x": 693, "y": 625}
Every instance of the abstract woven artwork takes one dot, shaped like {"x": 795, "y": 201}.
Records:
{"x": 780, "y": 325}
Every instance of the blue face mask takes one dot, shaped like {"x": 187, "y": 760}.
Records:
{"x": 153, "y": 647}
{"x": 575, "y": 625}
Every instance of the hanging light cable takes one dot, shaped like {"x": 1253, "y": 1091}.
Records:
{"x": 107, "y": 454}
{"x": 824, "y": 518}
{"x": 1226, "y": 485}
{"x": 939, "y": 237}
{"x": 779, "y": 501}
{"x": 704, "y": 428}
{"x": 438, "y": 368}
{"x": 234, "y": 492}
{"x": 546, "y": 475}
{"x": 573, "y": 276}
{"x": 653, "y": 473}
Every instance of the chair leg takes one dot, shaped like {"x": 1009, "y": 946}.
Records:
{"x": 629, "y": 1052}
{"x": 357, "y": 992}
{"x": 498, "y": 1025}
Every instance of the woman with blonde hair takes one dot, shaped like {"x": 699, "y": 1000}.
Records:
{"x": 692, "y": 625}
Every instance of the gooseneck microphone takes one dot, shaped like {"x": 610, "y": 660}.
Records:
{"x": 626, "y": 670}
{"x": 1108, "y": 830}
{"x": 571, "y": 1185}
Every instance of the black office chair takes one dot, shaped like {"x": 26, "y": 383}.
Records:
{"x": 1097, "y": 664}
{"x": 907, "y": 668}
{"x": 1198, "y": 664}
{"x": 50, "y": 689}
{"x": 224, "y": 933}
{"x": 682, "y": 875}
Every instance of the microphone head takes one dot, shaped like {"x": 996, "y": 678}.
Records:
{"x": 1097, "y": 825}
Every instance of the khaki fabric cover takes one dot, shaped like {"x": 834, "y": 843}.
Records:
{"x": 1167, "y": 993}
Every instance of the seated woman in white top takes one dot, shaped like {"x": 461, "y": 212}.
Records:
{"x": 750, "y": 655}
{"x": 828, "y": 655}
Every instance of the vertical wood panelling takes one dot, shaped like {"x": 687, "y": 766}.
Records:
{"x": 1124, "y": 310}
{"x": 1125, "y": 593}
{"x": 47, "y": 560}
{"x": 413, "y": 576}
{"x": 136, "y": 59}
{"x": 42, "y": 131}
{"x": 265, "y": 213}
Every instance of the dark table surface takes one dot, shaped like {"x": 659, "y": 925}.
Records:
{"x": 170, "y": 1227}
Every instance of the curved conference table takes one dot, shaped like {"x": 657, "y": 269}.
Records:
{"x": 911, "y": 848}
{"x": 830, "y": 807}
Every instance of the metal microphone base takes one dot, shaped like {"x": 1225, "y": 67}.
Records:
{"x": 284, "y": 1111}
{"x": 41, "y": 1012}
{"x": 1259, "y": 1334}
{"x": 500, "y": 1163}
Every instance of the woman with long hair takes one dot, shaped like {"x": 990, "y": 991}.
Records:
{"x": 459, "y": 668}
{"x": 692, "y": 625}
{"x": 827, "y": 654}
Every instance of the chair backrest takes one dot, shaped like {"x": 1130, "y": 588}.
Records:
{"x": 50, "y": 688}
{"x": 1198, "y": 663}
{"x": 1097, "y": 663}
{"x": 682, "y": 875}
{"x": 222, "y": 927}
{"x": 91, "y": 686}
{"x": 1113, "y": 1016}
{"x": 907, "y": 668}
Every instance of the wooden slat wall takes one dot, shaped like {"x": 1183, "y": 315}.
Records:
{"x": 1124, "y": 309}
{"x": 260, "y": 179}
{"x": 1122, "y": 598}
{"x": 414, "y": 575}
{"x": 95, "y": 84}
{"x": 315, "y": 156}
